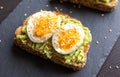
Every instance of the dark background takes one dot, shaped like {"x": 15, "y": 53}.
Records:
{"x": 14, "y": 62}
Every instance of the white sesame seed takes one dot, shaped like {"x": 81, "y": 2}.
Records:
{"x": 110, "y": 67}
{"x": 70, "y": 11}
{"x": 1, "y": 7}
{"x": 25, "y": 14}
{"x": 0, "y": 41}
{"x": 105, "y": 37}
{"x": 110, "y": 30}
{"x": 102, "y": 14}
{"x": 97, "y": 42}
{"x": 117, "y": 67}
{"x": 46, "y": 5}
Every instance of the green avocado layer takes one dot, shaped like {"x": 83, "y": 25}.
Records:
{"x": 47, "y": 49}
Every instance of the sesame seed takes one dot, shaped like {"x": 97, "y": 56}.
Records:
{"x": 1, "y": 7}
{"x": 25, "y": 14}
{"x": 97, "y": 42}
{"x": 102, "y": 15}
{"x": 110, "y": 30}
{"x": 0, "y": 41}
{"x": 105, "y": 37}
{"x": 117, "y": 67}
{"x": 110, "y": 67}
{"x": 70, "y": 11}
{"x": 46, "y": 5}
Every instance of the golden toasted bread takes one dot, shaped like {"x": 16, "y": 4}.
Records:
{"x": 99, "y": 5}
{"x": 56, "y": 59}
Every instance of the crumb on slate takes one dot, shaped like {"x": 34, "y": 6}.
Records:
{"x": 102, "y": 15}
{"x": 61, "y": 9}
{"x": 1, "y": 7}
{"x": 25, "y": 14}
{"x": 105, "y": 37}
{"x": 110, "y": 30}
{"x": 117, "y": 67}
{"x": 97, "y": 42}
{"x": 56, "y": 8}
{"x": 70, "y": 11}
{"x": 46, "y": 5}
{"x": 110, "y": 67}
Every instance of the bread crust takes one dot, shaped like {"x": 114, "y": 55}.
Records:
{"x": 106, "y": 7}
{"x": 74, "y": 66}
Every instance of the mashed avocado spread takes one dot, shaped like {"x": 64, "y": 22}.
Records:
{"x": 47, "y": 49}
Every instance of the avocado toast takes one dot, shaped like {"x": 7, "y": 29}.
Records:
{"x": 102, "y": 5}
{"x": 47, "y": 49}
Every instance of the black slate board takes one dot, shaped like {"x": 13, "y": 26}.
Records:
{"x": 111, "y": 67}
{"x": 14, "y": 63}
{"x": 6, "y": 6}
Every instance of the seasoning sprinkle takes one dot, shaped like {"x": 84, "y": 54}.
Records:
{"x": 56, "y": 8}
{"x": 1, "y": 7}
{"x": 117, "y": 67}
{"x": 70, "y": 11}
{"x": 110, "y": 30}
{"x": 105, "y": 37}
{"x": 46, "y": 5}
{"x": 97, "y": 42}
{"x": 25, "y": 14}
{"x": 102, "y": 15}
{"x": 110, "y": 67}
{"x": 60, "y": 9}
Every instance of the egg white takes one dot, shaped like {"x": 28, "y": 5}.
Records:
{"x": 30, "y": 27}
{"x": 67, "y": 27}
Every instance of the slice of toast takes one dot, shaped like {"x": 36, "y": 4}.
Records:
{"x": 102, "y": 6}
{"x": 58, "y": 60}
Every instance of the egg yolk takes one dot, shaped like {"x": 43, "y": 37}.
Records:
{"x": 44, "y": 25}
{"x": 68, "y": 39}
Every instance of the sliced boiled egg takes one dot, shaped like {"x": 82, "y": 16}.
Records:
{"x": 42, "y": 25}
{"x": 68, "y": 39}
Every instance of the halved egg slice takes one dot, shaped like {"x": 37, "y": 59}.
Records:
{"x": 42, "y": 25}
{"x": 68, "y": 39}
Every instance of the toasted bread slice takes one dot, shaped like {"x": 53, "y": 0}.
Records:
{"x": 58, "y": 60}
{"x": 102, "y": 6}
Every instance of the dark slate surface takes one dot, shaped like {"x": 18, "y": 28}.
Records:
{"x": 6, "y": 6}
{"x": 14, "y": 63}
{"x": 111, "y": 67}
